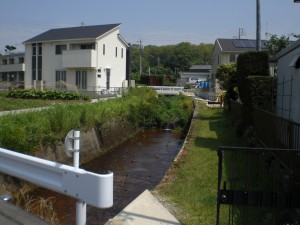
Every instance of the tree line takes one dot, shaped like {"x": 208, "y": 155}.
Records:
{"x": 168, "y": 59}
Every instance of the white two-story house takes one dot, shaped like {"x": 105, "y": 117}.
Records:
{"x": 87, "y": 58}
{"x": 12, "y": 69}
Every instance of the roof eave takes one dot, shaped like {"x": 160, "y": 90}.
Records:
{"x": 288, "y": 49}
{"x": 123, "y": 40}
{"x": 61, "y": 40}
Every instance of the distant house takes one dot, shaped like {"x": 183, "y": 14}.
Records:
{"x": 226, "y": 51}
{"x": 288, "y": 82}
{"x": 12, "y": 69}
{"x": 196, "y": 74}
{"x": 88, "y": 58}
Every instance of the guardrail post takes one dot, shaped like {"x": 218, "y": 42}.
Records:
{"x": 80, "y": 204}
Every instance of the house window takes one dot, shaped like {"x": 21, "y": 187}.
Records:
{"x": 122, "y": 52}
{"x": 4, "y": 61}
{"x": 87, "y": 46}
{"x": 21, "y": 60}
{"x": 60, "y": 78}
{"x": 33, "y": 49}
{"x": 12, "y": 61}
{"x": 40, "y": 52}
{"x": 81, "y": 79}
{"x": 4, "y": 77}
{"x": 59, "y": 49}
{"x": 36, "y": 61}
{"x": 21, "y": 76}
{"x": 39, "y": 67}
{"x": 232, "y": 58}
{"x": 33, "y": 61}
{"x": 116, "y": 51}
{"x": 297, "y": 65}
{"x": 103, "y": 49}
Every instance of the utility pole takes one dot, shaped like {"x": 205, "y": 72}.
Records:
{"x": 141, "y": 58}
{"x": 258, "y": 26}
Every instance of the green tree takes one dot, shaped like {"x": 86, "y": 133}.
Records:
{"x": 9, "y": 49}
{"x": 275, "y": 44}
{"x": 169, "y": 59}
{"x": 227, "y": 79}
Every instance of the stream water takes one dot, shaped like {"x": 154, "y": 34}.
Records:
{"x": 138, "y": 164}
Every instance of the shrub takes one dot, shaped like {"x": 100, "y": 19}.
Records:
{"x": 262, "y": 92}
{"x": 250, "y": 64}
{"x": 46, "y": 94}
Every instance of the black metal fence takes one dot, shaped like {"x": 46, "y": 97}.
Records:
{"x": 274, "y": 131}
{"x": 258, "y": 186}
{"x": 271, "y": 131}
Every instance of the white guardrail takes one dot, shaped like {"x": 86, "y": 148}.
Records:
{"x": 167, "y": 90}
{"x": 87, "y": 187}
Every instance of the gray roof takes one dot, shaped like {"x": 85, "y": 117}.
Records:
{"x": 201, "y": 67}
{"x": 228, "y": 45}
{"x": 83, "y": 32}
{"x": 18, "y": 54}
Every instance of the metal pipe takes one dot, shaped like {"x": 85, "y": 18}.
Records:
{"x": 80, "y": 204}
{"x": 258, "y": 26}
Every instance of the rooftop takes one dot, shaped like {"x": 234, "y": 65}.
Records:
{"x": 71, "y": 33}
{"x": 201, "y": 67}
{"x": 238, "y": 45}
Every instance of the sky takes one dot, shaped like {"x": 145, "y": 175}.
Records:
{"x": 155, "y": 22}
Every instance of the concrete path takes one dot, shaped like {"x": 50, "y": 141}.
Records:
{"x": 13, "y": 215}
{"x": 146, "y": 210}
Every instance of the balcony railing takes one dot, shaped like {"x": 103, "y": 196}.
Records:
{"x": 85, "y": 58}
{"x": 12, "y": 67}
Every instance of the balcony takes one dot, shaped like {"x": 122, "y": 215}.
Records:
{"x": 12, "y": 67}
{"x": 83, "y": 58}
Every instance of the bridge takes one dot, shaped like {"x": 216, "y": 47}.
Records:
{"x": 167, "y": 90}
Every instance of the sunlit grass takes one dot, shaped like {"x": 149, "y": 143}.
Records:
{"x": 192, "y": 185}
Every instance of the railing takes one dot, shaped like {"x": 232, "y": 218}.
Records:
{"x": 86, "y": 187}
{"x": 91, "y": 91}
{"x": 258, "y": 186}
{"x": 271, "y": 130}
{"x": 276, "y": 132}
{"x": 83, "y": 58}
{"x": 167, "y": 90}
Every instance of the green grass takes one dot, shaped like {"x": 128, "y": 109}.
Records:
{"x": 8, "y": 104}
{"x": 193, "y": 185}
{"x": 30, "y": 132}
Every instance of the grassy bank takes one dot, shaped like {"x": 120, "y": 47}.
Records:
{"x": 7, "y": 104}
{"x": 32, "y": 131}
{"x": 191, "y": 183}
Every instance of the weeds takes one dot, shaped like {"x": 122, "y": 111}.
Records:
{"x": 29, "y": 132}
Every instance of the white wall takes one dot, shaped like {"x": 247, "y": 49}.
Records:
{"x": 117, "y": 65}
{"x": 288, "y": 91}
{"x": 52, "y": 62}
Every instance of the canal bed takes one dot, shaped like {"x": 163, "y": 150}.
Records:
{"x": 138, "y": 164}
